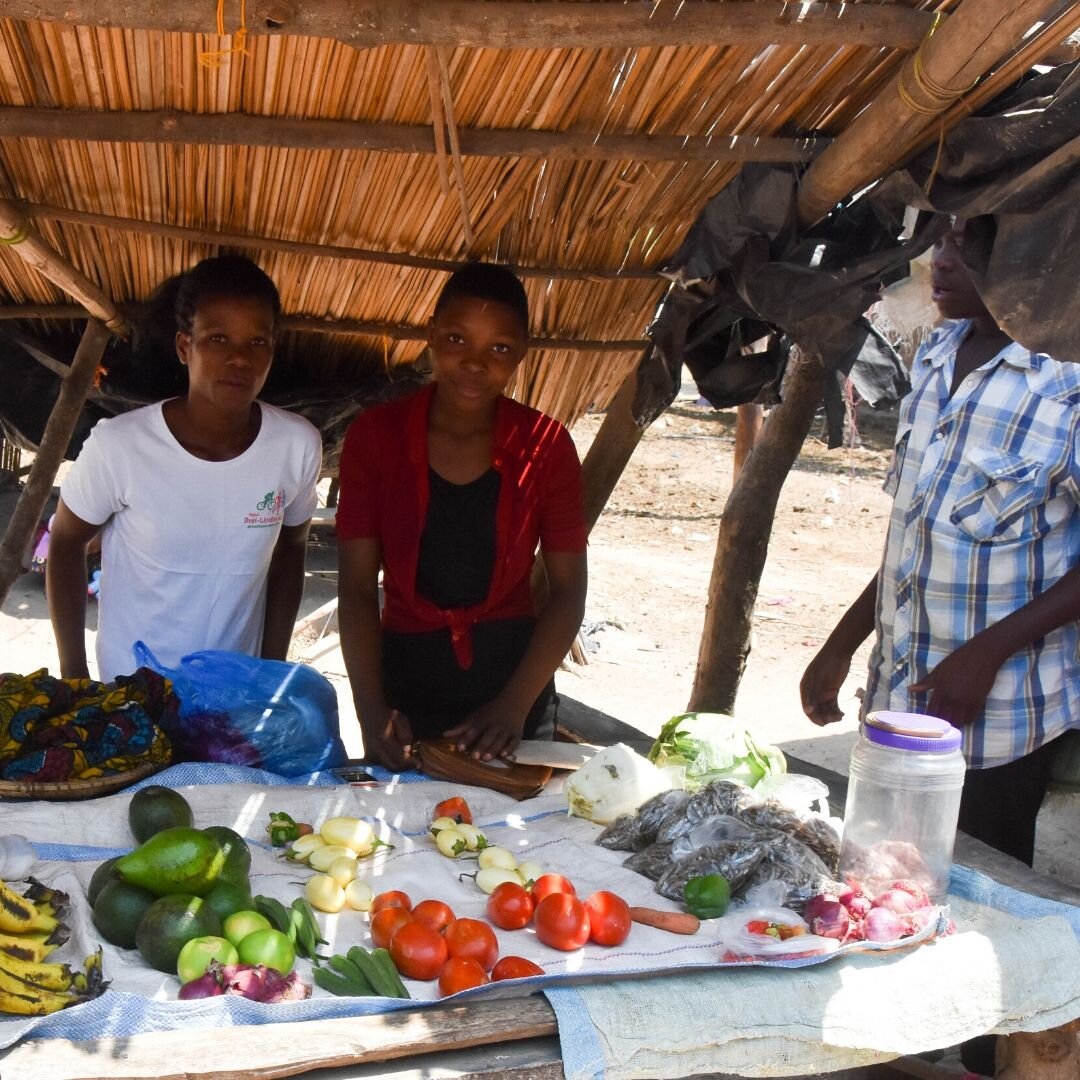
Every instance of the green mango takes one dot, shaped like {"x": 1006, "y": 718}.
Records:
{"x": 174, "y": 861}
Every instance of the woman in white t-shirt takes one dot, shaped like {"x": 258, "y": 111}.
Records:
{"x": 203, "y": 501}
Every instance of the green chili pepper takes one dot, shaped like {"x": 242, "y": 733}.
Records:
{"x": 283, "y": 830}
{"x": 708, "y": 896}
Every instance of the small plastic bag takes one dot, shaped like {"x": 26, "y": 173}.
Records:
{"x": 734, "y": 859}
{"x": 243, "y": 710}
{"x": 715, "y": 830}
{"x": 760, "y": 927}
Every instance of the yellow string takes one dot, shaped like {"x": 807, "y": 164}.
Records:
{"x": 936, "y": 94}
{"x": 216, "y": 57}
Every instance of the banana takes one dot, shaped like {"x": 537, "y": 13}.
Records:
{"x": 20, "y": 915}
{"x": 32, "y": 947}
{"x": 43, "y": 975}
{"x": 26, "y": 999}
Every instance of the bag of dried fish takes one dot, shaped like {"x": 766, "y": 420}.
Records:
{"x": 770, "y": 814}
{"x": 716, "y": 830}
{"x": 652, "y": 863}
{"x": 635, "y": 832}
{"x": 822, "y": 839}
{"x": 720, "y": 797}
{"x": 788, "y": 860}
{"x": 620, "y": 834}
{"x": 734, "y": 859}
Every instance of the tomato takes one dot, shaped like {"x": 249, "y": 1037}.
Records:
{"x": 435, "y": 913}
{"x": 269, "y": 947}
{"x": 515, "y": 967}
{"x": 509, "y": 906}
{"x": 562, "y": 921}
{"x": 461, "y": 973}
{"x": 609, "y": 918}
{"x": 385, "y": 923}
{"x": 456, "y": 808}
{"x": 475, "y": 939}
{"x": 418, "y": 951}
{"x": 546, "y": 884}
{"x": 392, "y": 898}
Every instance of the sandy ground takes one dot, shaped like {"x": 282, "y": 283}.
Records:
{"x": 650, "y": 560}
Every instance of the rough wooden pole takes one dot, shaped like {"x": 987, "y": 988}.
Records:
{"x": 947, "y": 64}
{"x": 17, "y": 233}
{"x": 54, "y": 442}
{"x": 748, "y": 422}
{"x": 610, "y": 451}
{"x": 743, "y": 540}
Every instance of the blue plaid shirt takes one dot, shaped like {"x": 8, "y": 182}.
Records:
{"x": 985, "y": 517}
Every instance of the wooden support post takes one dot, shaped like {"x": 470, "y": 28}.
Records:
{"x": 743, "y": 540}
{"x": 748, "y": 421}
{"x": 1040, "y": 1055}
{"x": 611, "y": 450}
{"x": 54, "y": 442}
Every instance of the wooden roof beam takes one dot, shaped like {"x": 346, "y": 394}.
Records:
{"x": 19, "y": 237}
{"x": 309, "y": 324}
{"x": 218, "y": 238}
{"x": 241, "y": 129}
{"x": 946, "y": 67}
{"x": 518, "y": 24}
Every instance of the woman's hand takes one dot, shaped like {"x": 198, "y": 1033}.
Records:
{"x": 493, "y": 730}
{"x": 388, "y": 740}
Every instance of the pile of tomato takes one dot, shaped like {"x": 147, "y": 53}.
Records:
{"x": 427, "y": 941}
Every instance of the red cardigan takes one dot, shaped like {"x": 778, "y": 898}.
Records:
{"x": 384, "y": 496}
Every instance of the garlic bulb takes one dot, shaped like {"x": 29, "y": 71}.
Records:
{"x": 16, "y": 858}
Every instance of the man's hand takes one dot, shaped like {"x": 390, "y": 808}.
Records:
{"x": 493, "y": 730}
{"x": 388, "y": 740}
{"x": 820, "y": 685}
{"x": 960, "y": 684}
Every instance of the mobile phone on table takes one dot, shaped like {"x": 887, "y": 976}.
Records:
{"x": 355, "y": 772}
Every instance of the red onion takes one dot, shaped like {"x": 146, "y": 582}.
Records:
{"x": 855, "y": 900}
{"x": 829, "y": 918}
{"x": 898, "y": 901}
{"x": 884, "y": 925}
{"x": 915, "y": 889}
{"x": 205, "y": 986}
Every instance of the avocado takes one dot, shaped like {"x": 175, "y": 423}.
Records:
{"x": 101, "y": 877}
{"x": 227, "y": 896}
{"x": 180, "y": 860}
{"x": 169, "y": 924}
{"x": 155, "y": 808}
{"x": 118, "y": 911}
{"x": 237, "y": 853}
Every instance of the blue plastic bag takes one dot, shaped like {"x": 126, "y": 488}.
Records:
{"x": 243, "y": 710}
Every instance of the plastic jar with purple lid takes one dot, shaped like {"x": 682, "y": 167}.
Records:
{"x": 903, "y": 800}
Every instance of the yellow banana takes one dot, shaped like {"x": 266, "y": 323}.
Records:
{"x": 43, "y": 975}
{"x": 25, "y": 999}
{"x": 19, "y": 915}
{"x": 32, "y": 947}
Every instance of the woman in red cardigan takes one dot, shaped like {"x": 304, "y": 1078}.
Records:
{"x": 450, "y": 491}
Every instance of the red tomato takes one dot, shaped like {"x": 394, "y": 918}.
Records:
{"x": 475, "y": 939}
{"x": 386, "y": 923}
{"x": 461, "y": 973}
{"x": 393, "y": 898}
{"x": 509, "y": 906}
{"x": 435, "y": 913}
{"x": 418, "y": 951}
{"x": 562, "y": 921}
{"x": 609, "y": 918}
{"x": 456, "y": 808}
{"x": 546, "y": 884}
{"x": 515, "y": 967}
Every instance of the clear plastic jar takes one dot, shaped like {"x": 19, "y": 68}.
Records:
{"x": 903, "y": 800}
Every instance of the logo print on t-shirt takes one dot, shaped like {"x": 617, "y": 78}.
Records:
{"x": 269, "y": 510}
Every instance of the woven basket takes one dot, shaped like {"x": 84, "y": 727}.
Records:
{"x": 72, "y": 790}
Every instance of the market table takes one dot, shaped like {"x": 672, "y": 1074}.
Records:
{"x": 515, "y": 1034}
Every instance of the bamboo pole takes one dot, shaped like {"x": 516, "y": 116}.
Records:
{"x": 16, "y": 233}
{"x": 438, "y": 121}
{"x": 947, "y": 65}
{"x": 324, "y": 251}
{"x": 743, "y": 540}
{"x": 455, "y": 146}
{"x": 245, "y": 129}
{"x": 54, "y": 443}
{"x": 517, "y": 24}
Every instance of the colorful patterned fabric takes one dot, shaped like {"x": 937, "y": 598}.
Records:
{"x": 985, "y": 517}
{"x": 78, "y": 729}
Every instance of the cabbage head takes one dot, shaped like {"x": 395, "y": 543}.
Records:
{"x": 714, "y": 746}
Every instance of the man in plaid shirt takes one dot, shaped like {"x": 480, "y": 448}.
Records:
{"x": 976, "y": 604}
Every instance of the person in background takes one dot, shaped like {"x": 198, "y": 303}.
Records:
{"x": 203, "y": 501}
{"x": 449, "y": 491}
{"x": 975, "y": 607}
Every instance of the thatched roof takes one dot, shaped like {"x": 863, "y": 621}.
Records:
{"x": 359, "y": 150}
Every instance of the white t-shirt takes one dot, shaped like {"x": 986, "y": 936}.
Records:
{"x": 188, "y": 543}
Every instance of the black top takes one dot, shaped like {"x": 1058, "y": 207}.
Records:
{"x": 421, "y": 674}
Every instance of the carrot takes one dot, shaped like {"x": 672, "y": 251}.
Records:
{"x": 674, "y": 922}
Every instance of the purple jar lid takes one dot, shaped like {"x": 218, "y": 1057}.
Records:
{"x": 911, "y": 731}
